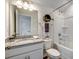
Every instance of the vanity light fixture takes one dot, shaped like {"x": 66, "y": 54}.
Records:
{"x": 25, "y": 4}
{"x": 19, "y": 3}
{"x": 31, "y": 7}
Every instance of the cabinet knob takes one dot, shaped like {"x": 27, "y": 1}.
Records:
{"x": 28, "y": 57}
{"x": 25, "y": 57}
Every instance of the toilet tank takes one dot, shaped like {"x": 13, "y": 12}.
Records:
{"x": 47, "y": 43}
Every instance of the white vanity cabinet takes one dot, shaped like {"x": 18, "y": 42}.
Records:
{"x": 26, "y": 52}
{"x": 37, "y": 55}
{"x": 24, "y": 56}
{"x": 33, "y": 55}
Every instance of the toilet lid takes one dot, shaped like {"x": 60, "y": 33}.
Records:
{"x": 53, "y": 52}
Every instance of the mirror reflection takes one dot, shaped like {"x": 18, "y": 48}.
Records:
{"x": 23, "y": 22}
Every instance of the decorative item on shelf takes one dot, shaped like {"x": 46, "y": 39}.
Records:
{"x": 46, "y": 27}
{"x": 47, "y": 18}
{"x": 25, "y": 4}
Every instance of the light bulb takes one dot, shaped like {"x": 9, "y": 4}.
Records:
{"x": 25, "y": 5}
{"x": 31, "y": 7}
{"x": 19, "y": 4}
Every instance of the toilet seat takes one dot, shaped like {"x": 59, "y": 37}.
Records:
{"x": 53, "y": 52}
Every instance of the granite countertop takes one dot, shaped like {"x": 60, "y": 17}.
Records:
{"x": 21, "y": 42}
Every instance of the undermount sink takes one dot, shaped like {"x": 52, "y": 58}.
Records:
{"x": 47, "y": 40}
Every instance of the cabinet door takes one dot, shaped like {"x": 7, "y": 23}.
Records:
{"x": 24, "y": 56}
{"x": 38, "y": 54}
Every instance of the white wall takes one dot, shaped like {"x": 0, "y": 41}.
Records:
{"x": 68, "y": 23}
{"x": 6, "y": 19}
{"x": 9, "y": 19}
{"x": 41, "y": 12}
{"x": 69, "y": 11}
{"x": 58, "y": 24}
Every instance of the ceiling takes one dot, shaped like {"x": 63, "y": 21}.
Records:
{"x": 50, "y": 3}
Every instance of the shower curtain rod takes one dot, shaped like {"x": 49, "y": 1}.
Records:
{"x": 62, "y": 5}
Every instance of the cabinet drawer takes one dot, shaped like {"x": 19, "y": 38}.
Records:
{"x": 22, "y": 49}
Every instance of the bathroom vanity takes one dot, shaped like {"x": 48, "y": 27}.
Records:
{"x": 27, "y": 50}
{"x": 22, "y": 23}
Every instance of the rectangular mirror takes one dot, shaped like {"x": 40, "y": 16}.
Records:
{"x": 22, "y": 22}
{"x": 26, "y": 22}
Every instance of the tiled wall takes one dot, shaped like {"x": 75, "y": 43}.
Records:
{"x": 68, "y": 32}
{"x": 67, "y": 29}
{"x": 63, "y": 24}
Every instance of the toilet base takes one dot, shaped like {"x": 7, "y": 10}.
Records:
{"x": 47, "y": 57}
{"x": 55, "y": 58}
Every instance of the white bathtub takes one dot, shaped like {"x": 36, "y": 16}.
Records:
{"x": 66, "y": 53}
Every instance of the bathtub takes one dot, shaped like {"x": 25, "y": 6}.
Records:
{"x": 66, "y": 53}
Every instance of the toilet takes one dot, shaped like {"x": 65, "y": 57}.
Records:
{"x": 52, "y": 53}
